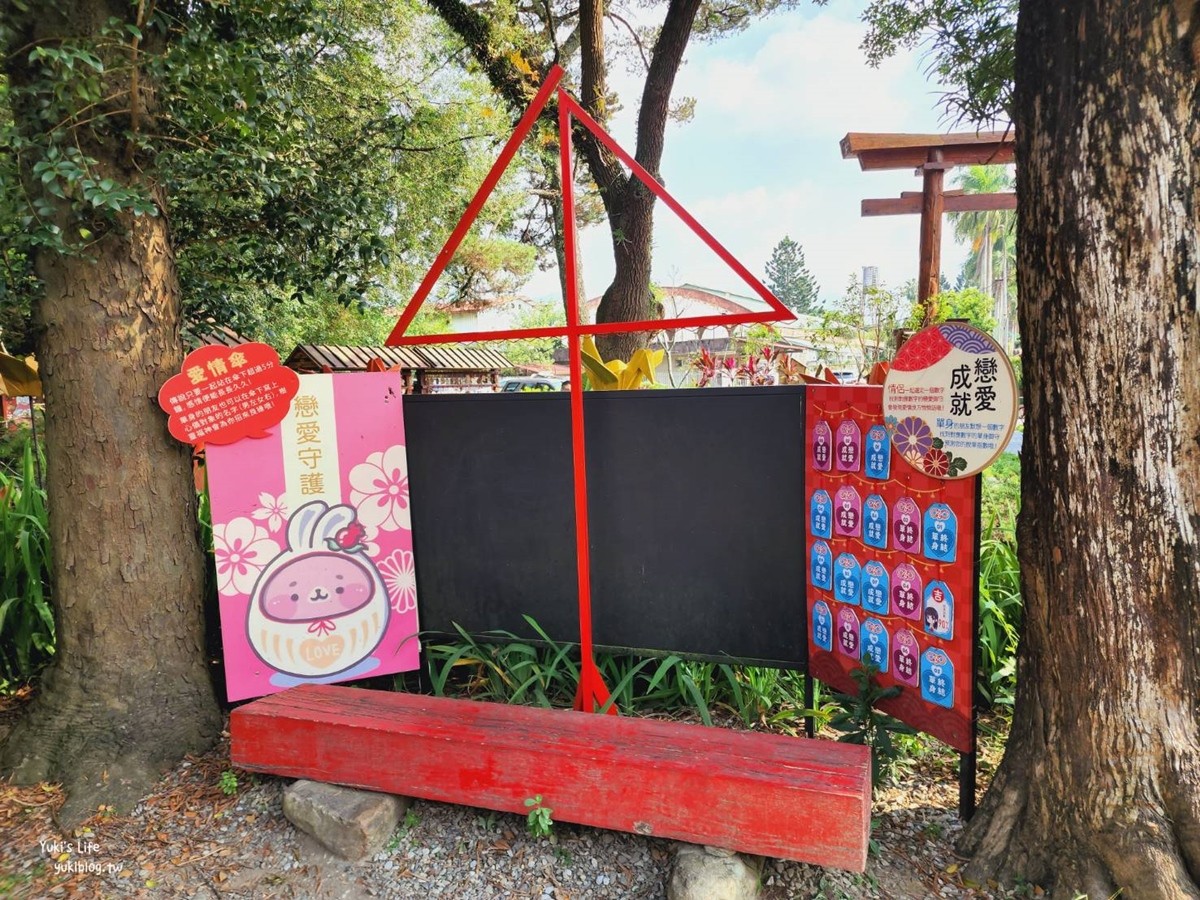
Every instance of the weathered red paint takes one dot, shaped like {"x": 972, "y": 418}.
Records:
{"x": 767, "y": 794}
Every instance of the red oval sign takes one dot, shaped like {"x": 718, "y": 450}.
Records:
{"x": 225, "y": 394}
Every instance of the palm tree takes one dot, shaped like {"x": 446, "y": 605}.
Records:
{"x": 991, "y": 234}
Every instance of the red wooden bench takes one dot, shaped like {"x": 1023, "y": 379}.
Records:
{"x": 767, "y": 794}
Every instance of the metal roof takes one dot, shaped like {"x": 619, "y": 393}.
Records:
{"x": 315, "y": 357}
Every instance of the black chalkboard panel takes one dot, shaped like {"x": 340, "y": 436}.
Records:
{"x": 696, "y": 517}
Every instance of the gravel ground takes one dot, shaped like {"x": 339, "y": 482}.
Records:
{"x": 190, "y": 839}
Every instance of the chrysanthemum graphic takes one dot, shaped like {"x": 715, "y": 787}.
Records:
{"x": 400, "y": 575}
{"x": 913, "y": 438}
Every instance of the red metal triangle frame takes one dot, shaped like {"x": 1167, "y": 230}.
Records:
{"x": 591, "y": 695}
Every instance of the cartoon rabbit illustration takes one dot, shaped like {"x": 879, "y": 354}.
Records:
{"x": 319, "y": 608}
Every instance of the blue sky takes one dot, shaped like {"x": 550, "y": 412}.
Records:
{"x": 760, "y": 159}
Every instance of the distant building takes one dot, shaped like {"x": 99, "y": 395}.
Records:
{"x": 683, "y": 345}
{"x": 492, "y": 314}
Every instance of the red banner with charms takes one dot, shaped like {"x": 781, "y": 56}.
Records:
{"x": 224, "y": 394}
{"x": 891, "y": 563}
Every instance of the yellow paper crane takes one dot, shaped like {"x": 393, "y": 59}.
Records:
{"x": 615, "y": 375}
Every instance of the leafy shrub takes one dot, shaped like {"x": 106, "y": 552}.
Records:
{"x": 15, "y": 439}
{"x": 1000, "y": 611}
{"x": 1002, "y": 497}
{"x": 1000, "y": 604}
{"x": 503, "y": 668}
{"x": 26, "y": 617}
{"x": 860, "y": 722}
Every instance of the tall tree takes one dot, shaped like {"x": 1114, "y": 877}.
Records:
{"x": 789, "y": 279}
{"x": 988, "y": 233}
{"x": 1099, "y": 790}
{"x": 129, "y": 691}
{"x": 515, "y": 46}
{"x": 263, "y": 141}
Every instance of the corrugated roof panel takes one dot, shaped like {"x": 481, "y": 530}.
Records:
{"x": 425, "y": 356}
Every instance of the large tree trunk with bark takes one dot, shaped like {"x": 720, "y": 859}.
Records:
{"x": 129, "y": 692}
{"x": 1099, "y": 791}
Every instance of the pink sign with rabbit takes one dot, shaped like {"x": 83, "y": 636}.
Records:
{"x": 313, "y": 541}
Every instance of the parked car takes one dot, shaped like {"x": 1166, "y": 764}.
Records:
{"x": 533, "y": 383}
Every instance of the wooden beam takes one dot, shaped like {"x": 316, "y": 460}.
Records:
{"x": 910, "y": 202}
{"x": 929, "y": 267}
{"x": 767, "y": 794}
{"x": 909, "y": 151}
{"x": 856, "y": 142}
{"x": 981, "y": 155}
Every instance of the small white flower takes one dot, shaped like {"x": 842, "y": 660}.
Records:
{"x": 379, "y": 490}
{"x": 400, "y": 575}
{"x": 272, "y": 509}
{"x": 242, "y": 550}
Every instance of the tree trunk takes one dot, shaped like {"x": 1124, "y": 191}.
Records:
{"x": 629, "y": 206}
{"x": 628, "y": 203}
{"x": 1004, "y": 311}
{"x": 628, "y": 298}
{"x": 1099, "y": 790}
{"x": 986, "y": 250}
{"x": 128, "y": 693}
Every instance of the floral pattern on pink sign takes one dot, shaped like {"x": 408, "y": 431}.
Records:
{"x": 313, "y": 542}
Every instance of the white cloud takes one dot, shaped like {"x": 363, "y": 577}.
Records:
{"x": 823, "y": 219}
{"x": 761, "y": 159}
{"x": 809, "y": 81}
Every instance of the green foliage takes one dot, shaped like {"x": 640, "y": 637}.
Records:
{"x": 858, "y": 329}
{"x": 536, "y": 351}
{"x": 1002, "y": 497}
{"x": 1000, "y": 614}
{"x": 990, "y": 233}
{"x": 1000, "y": 604}
{"x": 538, "y": 821}
{"x": 505, "y": 669}
{"x": 311, "y": 151}
{"x": 228, "y": 782}
{"x": 970, "y": 45}
{"x": 789, "y": 279}
{"x": 15, "y": 439}
{"x": 968, "y": 303}
{"x": 860, "y": 722}
{"x": 26, "y": 617}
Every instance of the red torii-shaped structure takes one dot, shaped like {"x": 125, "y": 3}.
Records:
{"x": 931, "y": 155}
{"x": 592, "y": 693}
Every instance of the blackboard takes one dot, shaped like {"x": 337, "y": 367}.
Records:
{"x": 696, "y": 518}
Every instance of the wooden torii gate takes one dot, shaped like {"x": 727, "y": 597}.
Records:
{"x": 930, "y": 155}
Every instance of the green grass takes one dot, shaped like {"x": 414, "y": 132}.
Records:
{"x": 1002, "y": 497}
{"x": 26, "y": 616}
{"x": 1000, "y": 604}
{"x": 1000, "y": 612}
{"x": 502, "y": 668}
